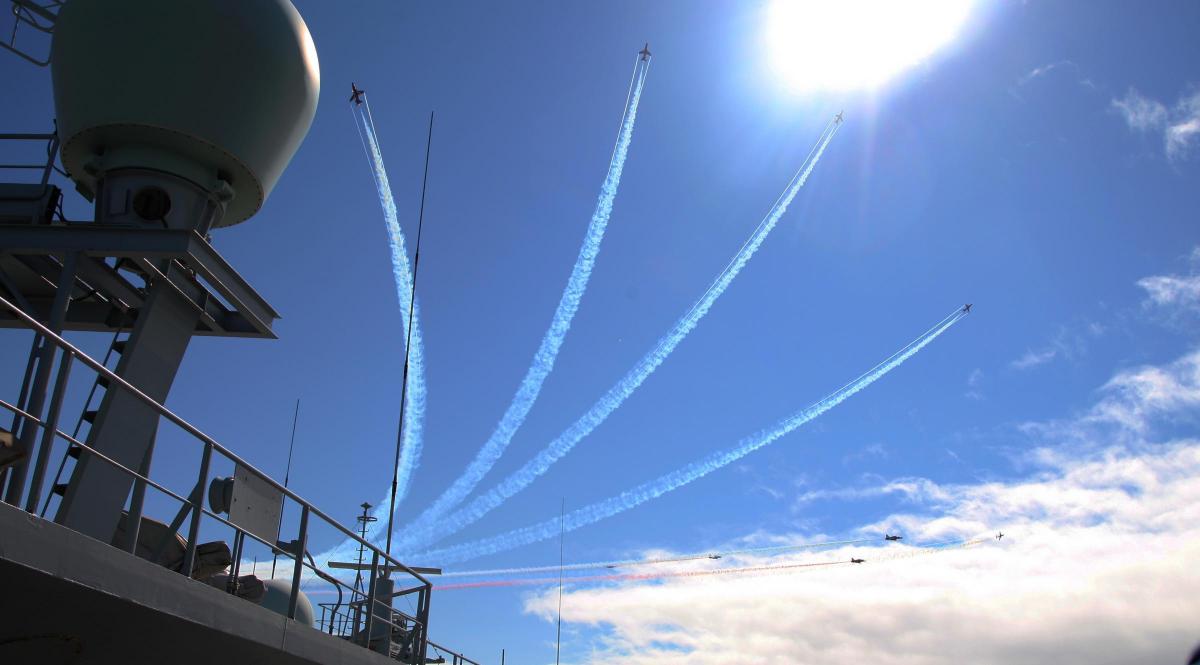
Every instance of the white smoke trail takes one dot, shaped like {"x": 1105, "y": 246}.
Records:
{"x": 414, "y": 412}
{"x": 414, "y": 408}
{"x": 733, "y": 571}
{"x": 568, "y": 305}
{"x": 682, "y": 476}
{"x": 631, "y": 563}
{"x": 417, "y": 535}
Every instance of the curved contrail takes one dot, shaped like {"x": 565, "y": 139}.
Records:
{"x": 416, "y": 535}
{"x": 414, "y": 408}
{"x": 552, "y": 341}
{"x": 645, "y": 492}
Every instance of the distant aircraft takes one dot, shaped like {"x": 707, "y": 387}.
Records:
{"x": 714, "y": 556}
{"x": 356, "y": 95}
{"x": 889, "y": 537}
{"x": 853, "y": 560}
{"x": 645, "y": 52}
{"x": 610, "y": 566}
{"x": 838, "y": 119}
{"x": 967, "y": 308}
{"x": 999, "y": 535}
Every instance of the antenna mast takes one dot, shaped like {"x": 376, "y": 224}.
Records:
{"x": 562, "y": 530}
{"x": 287, "y": 475}
{"x": 412, "y": 303}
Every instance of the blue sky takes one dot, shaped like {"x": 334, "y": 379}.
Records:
{"x": 1040, "y": 165}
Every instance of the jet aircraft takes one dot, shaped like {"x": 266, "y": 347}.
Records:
{"x": 967, "y": 308}
{"x": 838, "y": 119}
{"x": 999, "y": 535}
{"x": 714, "y": 556}
{"x": 853, "y": 560}
{"x": 891, "y": 537}
{"x": 356, "y": 95}
{"x": 645, "y": 52}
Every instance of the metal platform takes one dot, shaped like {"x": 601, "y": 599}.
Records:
{"x": 114, "y": 268}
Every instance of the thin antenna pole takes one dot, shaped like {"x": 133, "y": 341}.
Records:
{"x": 412, "y": 303}
{"x": 287, "y": 476}
{"x": 562, "y": 530}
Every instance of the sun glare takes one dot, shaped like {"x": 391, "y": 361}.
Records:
{"x": 857, "y": 44}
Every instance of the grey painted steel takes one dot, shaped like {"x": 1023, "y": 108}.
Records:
{"x": 124, "y": 425}
{"x": 47, "y": 442}
{"x": 120, "y": 383}
{"x": 37, "y": 394}
{"x": 121, "y": 609}
{"x": 366, "y": 640}
{"x": 217, "y": 91}
{"x": 298, "y": 567}
{"x": 380, "y": 634}
{"x": 187, "y": 246}
{"x": 133, "y": 523}
{"x": 189, "y": 553}
{"x": 255, "y": 506}
{"x": 117, "y": 383}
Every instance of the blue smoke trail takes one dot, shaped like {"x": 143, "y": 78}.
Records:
{"x": 418, "y": 534}
{"x": 568, "y": 305}
{"x": 682, "y": 476}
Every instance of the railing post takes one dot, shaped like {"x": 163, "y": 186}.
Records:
{"x": 301, "y": 546}
{"x": 189, "y": 555}
{"x": 37, "y": 393}
{"x": 133, "y": 523}
{"x": 423, "y": 616}
{"x": 370, "y": 604}
{"x": 49, "y": 428}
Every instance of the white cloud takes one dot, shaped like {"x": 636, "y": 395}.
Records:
{"x": 974, "y": 383}
{"x": 1141, "y": 113}
{"x": 873, "y": 451}
{"x": 1173, "y": 289}
{"x": 1174, "y": 294}
{"x": 1097, "y": 565}
{"x": 1064, "y": 345}
{"x": 1179, "y": 125}
{"x": 1034, "y": 358}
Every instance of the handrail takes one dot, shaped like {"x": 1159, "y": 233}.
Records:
{"x": 51, "y": 138}
{"x": 190, "y": 429}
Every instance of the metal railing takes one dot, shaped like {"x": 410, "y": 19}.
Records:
{"x": 366, "y": 619}
{"x": 46, "y": 168}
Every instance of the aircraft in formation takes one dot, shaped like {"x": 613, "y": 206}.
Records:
{"x": 967, "y": 308}
{"x": 356, "y": 95}
{"x": 853, "y": 560}
{"x": 838, "y": 119}
{"x": 891, "y": 537}
{"x": 645, "y": 52}
{"x": 999, "y": 535}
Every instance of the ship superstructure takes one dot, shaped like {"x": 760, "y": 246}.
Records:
{"x": 175, "y": 119}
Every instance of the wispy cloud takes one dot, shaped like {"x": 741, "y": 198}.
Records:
{"x": 974, "y": 384}
{"x": 1044, "y": 70}
{"x": 1065, "y": 345}
{"x": 1034, "y": 358}
{"x": 1141, "y": 113}
{"x": 1176, "y": 292}
{"x": 1094, "y": 567}
{"x": 1064, "y": 65}
{"x": 1179, "y": 124}
{"x": 873, "y": 451}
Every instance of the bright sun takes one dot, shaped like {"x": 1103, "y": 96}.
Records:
{"x": 857, "y": 44}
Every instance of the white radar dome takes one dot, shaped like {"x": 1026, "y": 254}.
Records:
{"x": 219, "y": 92}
